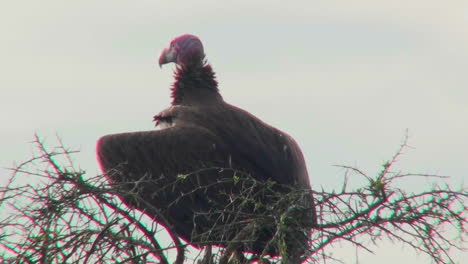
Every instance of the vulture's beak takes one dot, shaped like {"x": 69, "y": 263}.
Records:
{"x": 167, "y": 55}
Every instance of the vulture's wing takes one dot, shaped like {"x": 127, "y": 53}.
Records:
{"x": 271, "y": 153}
{"x": 147, "y": 165}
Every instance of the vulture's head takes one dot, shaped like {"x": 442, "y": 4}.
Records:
{"x": 183, "y": 50}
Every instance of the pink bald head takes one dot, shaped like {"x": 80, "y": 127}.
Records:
{"x": 183, "y": 50}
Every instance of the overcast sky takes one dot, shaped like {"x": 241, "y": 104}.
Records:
{"x": 346, "y": 80}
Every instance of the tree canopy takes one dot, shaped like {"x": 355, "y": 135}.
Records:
{"x": 67, "y": 216}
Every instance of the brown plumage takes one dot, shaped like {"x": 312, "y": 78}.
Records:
{"x": 200, "y": 135}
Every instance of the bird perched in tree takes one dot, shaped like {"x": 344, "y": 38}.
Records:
{"x": 186, "y": 173}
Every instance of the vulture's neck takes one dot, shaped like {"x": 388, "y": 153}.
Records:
{"x": 195, "y": 84}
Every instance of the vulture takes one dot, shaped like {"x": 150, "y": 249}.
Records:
{"x": 186, "y": 173}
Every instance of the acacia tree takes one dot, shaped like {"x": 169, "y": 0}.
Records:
{"x": 66, "y": 216}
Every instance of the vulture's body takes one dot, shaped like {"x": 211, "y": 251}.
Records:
{"x": 176, "y": 173}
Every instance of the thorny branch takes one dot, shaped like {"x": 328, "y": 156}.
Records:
{"x": 51, "y": 212}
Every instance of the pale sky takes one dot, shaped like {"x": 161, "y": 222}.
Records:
{"x": 345, "y": 78}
